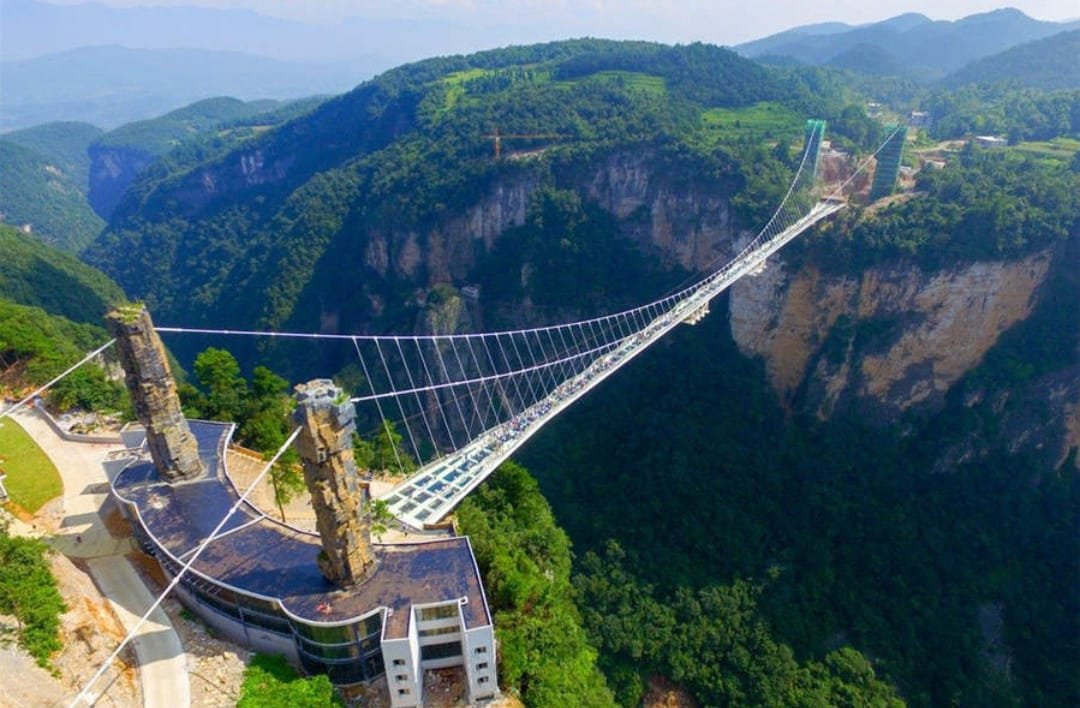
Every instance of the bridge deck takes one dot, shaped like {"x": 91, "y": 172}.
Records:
{"x": 438, "y": 487}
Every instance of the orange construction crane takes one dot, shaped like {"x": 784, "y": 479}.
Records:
{"x": 497, "y": 138}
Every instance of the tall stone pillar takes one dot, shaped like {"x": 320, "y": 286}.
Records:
{"x": 153, "y": 391}
{"x": 339, "y": 497}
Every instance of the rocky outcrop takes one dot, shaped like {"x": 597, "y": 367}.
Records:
{"x": 112, "y": 170}
{"x": 153, "y": 392}
{"x": 326, "y": 418}
{"x": 685, "y": 224}
{"x": 450, "y": 249}
{"x": 1039, "y": 418}
{"x": 881, "y": 343}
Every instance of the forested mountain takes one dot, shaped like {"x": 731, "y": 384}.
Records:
{"x": 47, "y": 192}
{"x": 62, "y": 180}
{"x": 63, "y": 143}
{"x": 34, "y": 273}
{"x": 1050, "y": 63}
{"x": 396, "y": 182}
{"x": 856, "y": 479}
{"x": 117, "y": 157}
{"x": 912, "y": 45}
{"x": 51, "y": 307}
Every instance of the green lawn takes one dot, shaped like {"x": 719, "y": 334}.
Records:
{"x": 32, "y": 478}
{"x": 632, "y": 80}
{"x": 1059, "y": 148}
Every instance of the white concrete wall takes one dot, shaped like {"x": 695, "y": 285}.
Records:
{"x": 479, "y": 647}
{"x": 406, "y": 651}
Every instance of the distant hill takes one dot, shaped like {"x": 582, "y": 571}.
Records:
{"x": 911, "y": 43}
{"x": 111, "y": 85}
{"x": 156, "y": 136}
{"x": 1051, "y": 63}
{"x": 869, "y": 59}
{"x": 35, "y": 274}
{"x": 46, "y": 194}
{"x": 119, "y": 156}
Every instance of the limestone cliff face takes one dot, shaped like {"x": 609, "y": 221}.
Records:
{"x": 881, "y": 343}
{"x": 447, "y": 251}
{"x": 688, "y": 225}
{"x": 112, "y": 170}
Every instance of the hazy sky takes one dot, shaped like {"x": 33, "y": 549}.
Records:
{"x": 719, "y": 21}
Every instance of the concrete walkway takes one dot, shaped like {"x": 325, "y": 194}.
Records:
{"x": 162, "y": 662}
{"x": 83, "y": 534}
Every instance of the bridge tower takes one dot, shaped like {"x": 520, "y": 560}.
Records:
{"x": 815, "y": 133}
{"x": 338, "y": 495}
{"x": 888, "y": 163}
{"x": 173, "y": 448}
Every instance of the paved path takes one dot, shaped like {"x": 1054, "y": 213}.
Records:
{"x": 162, "y": 662}
{"x": 83, "y": 534}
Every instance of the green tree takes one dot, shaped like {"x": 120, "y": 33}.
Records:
{"x": 270, "y": 682}
{"x": 384, "y": 452}
{"x": 28, "y": 592}
{"x": 88, "y": 388}
{"x": 265, "y": 427}
{"x": 525, "y": 560}
{"x": 223, "y": 388}
{"x": 381, "y": 517}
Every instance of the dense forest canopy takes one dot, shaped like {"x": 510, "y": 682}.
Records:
{"x": 45, "y": 195}
{"x": 62, "y": 143}
{"x": 33, "y": 273}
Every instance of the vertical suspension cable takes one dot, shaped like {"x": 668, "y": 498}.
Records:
{"x": 457, "y": 399}
{"x": 504, "y": 400}
{"x": 546, "y": 368}
{"x": 401, "y": 408}
{"x": 468, "y": 387}
{"x": 419, "y": 402}
{"x": 495, "y": 420}
{"x": 571, "y": 351}
{"x": 563, "y": 363}
{"x": 435, "y": 391}
{"x": 378, "y": 406}
{"x": 522, "y": 400}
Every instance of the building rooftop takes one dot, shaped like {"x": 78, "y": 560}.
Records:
{"x": 257, "y": 554}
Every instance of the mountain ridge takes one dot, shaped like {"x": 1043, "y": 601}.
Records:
{"x": 933, "y": 47}
{"x": 1049, "y": 63}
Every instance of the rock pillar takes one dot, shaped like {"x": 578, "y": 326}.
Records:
{"x": 339, "y": 497}
{"x": 153, "y": 392}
